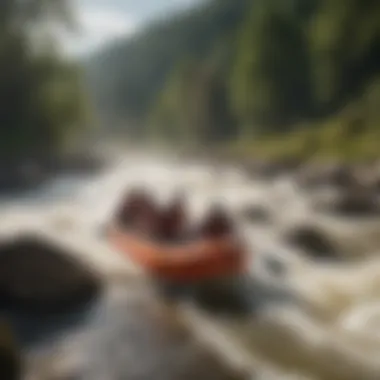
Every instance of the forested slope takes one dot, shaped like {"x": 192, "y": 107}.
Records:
{"x": 42, "y": 96}
{"x": 127, "y": 76}
{"x": 302, "y": 73}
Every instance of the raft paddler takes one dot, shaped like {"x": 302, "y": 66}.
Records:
{"x": 173, "y": 220}
{"x": 216, "y": 224}
{"x": 132, "y": 206}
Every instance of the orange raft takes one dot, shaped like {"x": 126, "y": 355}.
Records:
{"x": 189, "y": 262}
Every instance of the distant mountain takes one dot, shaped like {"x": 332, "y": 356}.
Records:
{"x": 301, "y": 75}
{"x": 126, "y": 77}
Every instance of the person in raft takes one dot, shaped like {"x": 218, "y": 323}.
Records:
{"x": 173, "y": 220}
{"x": 136, "y": 204}
{"x": 147, "y": 220}
{"x": 140, "y": 213}
{"x": 217, "y": 224}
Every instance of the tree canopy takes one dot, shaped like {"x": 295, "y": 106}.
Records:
{"x": 41, "y": 93}
{"x": 233, "y": 68}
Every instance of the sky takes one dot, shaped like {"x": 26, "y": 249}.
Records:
{"x": 102, "y": 21}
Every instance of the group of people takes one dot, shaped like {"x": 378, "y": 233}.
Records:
{"x": 139, "y": 212}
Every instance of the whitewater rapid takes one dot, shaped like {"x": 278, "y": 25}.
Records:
{"x": 333, "y": 328}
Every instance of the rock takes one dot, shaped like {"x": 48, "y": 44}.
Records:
{"x": 313, "y": 241}
{"x": 338, "y": 176}
{"x": 360, "y": 202}
{"x": 376, "y": 185}
{"x": 268, "y": 170}
{"x": 275, "y": 266}
{"x": 256, "y": 214}
{"x": 37, "y": 276}
{"x": 341, "y": 176}
{"x": 10, "y": 356}
{"x": 20, "y": 177}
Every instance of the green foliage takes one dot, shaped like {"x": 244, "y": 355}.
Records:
{"x": 128, "y": 76}
{"x": 344, "y": 45}
{"x": 290, "y": 77}
{"x": 41, "y": 94}
{"x": 194, "y": 106}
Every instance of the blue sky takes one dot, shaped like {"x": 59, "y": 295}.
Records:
{"x": 104, "y": 20}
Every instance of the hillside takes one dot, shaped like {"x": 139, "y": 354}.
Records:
{"x": 291, "y": 77}
{"x": 126, "y": 77}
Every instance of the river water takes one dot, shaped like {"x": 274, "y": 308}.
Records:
{"x": 311, "y": 320}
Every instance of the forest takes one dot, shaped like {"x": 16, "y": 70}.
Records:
{"x": 273, "y": 77}
{"x": 42, "y": 95}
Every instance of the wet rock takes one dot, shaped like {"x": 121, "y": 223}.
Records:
{"x": 268, "y": 170}
{"x": 256, "y": 214}
{"x": 355, "y": 203}
{"x": 376, "y": 185}
{"x": 38, "y": 276}
{"x": 10, "y": 356}
{"x": 275, "y": 266}
{"x": 374, "y": 182}
{"x": 20, "y": 177}
{"x": 337, "y": 175}
{"x": 341, "y": 176}
{"x": 313, "y": 241}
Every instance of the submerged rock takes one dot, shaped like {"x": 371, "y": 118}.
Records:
{"x": 311, "y": 240}
{"x": 375, "y": 183}
{"x": 38, "y": 276}
{"x": 356, "y": 203}
{"x": 268, "y": 170}
{"x": 337, "y": 176}
{"x": 256, "y": 214}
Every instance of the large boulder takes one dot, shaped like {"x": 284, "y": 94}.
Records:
{"x": 39, "y": 276}
{"x": 10, "y": 355}
{"x": 268, "y": 170}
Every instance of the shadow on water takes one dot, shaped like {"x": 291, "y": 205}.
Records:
{"x": 241, "y": 296}
{"x": 39, "y": 329}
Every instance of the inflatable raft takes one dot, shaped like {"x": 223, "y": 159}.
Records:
{"x": 187, "y": 262}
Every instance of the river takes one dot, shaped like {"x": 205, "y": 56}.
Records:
{"x": 313, "y": 320}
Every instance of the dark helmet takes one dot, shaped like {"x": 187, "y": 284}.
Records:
{"x": 217, "y": 222}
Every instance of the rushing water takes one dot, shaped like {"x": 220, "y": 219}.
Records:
{"x": 319, "y": 320}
